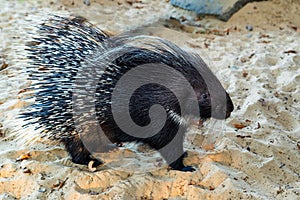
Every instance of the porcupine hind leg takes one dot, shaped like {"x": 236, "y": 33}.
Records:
{"x": 78, "y": 152}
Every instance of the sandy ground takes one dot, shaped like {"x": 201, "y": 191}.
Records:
{"x": 258, "y": 156}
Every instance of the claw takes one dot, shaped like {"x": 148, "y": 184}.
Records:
{"x": 93, "y": 164}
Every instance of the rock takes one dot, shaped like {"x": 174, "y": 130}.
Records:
{"x": 249, "y": 28}
{"x": 87, "y": 2}
{"x": 42, "y": 189}
{"x": 223, "y": 9}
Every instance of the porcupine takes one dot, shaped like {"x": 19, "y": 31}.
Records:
{"x": 57, "y": 55}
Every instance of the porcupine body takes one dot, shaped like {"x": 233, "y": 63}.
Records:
{"x": 57, "y": 59}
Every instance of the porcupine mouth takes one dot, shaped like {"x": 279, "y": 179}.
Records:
{"x": 221, "y": 114}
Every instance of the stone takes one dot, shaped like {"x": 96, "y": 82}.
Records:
{"x": 223, "y": 9}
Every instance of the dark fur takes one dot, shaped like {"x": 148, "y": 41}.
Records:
{"x": 57, "y": 57}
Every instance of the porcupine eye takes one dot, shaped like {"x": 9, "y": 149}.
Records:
{"x": 204, "y": 96}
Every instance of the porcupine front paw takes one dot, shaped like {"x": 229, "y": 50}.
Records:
{"x": 79, "y": 154}
{"x": 86, "y": 160}
{"x": 178, "y": 164}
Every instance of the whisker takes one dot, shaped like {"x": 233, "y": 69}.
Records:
{"x": 213, "y": 134}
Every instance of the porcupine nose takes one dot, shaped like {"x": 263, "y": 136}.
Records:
{"x": 223, "y": 111}
{"x": 228, "y": 114}
{"x": 229, "y": 105}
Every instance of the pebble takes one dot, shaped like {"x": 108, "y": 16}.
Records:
{"x": 249, "y": 28}
{"x": 87, "y": 2}
{"x": 42, "y": 189}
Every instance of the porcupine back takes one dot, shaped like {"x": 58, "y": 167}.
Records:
{"x": 56, "y": 55}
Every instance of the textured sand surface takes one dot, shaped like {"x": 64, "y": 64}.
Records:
{"x": 259, "y": 154}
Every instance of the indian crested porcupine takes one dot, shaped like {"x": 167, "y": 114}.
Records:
{"x": 75, "y": 69}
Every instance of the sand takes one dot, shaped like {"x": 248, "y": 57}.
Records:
{"x": 258, "y": 154}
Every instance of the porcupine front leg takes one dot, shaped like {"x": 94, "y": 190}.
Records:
{"x": 169, "y": 142}
{"x": 78, "y": 152}
{"x": 178, "y": 151}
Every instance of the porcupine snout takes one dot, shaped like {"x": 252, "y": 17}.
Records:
{"x": 219, "y": 109}
{"x": 224, "y": 109}
{"x": 229, "y": 105}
